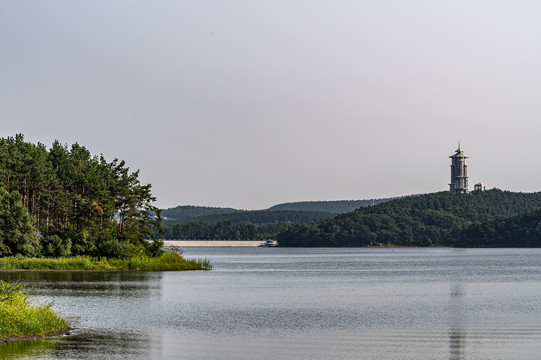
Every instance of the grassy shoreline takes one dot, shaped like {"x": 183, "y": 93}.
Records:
{"x": 22, "y": 319}
{"x": 169, "y": 261}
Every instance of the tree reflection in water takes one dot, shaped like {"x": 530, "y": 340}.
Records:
{"x": 457, "y": 335}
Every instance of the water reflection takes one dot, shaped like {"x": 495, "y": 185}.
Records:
{"x": 88, "y": 284}
{"x": 116, "y": 344}
{"x": 457, "y": 334}
{"x": 26, "y": 349}
{"x": 84, "y": 344}
{"x": 82, "y": 276}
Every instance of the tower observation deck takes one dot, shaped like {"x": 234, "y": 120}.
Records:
{"x": 459, "y": 172}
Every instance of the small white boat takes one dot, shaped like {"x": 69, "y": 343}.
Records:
{"x": 268, "y": 243}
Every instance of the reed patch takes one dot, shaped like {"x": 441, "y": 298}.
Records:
{"x": 169, "y": 261}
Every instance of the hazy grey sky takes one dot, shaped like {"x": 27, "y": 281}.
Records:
{"x": 252, "y": 103}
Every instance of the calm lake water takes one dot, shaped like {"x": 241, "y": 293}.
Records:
{"x": 280, "y": 303}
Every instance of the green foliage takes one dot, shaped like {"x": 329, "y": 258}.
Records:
{"x": 426, "y": 220}
{"x": 155, "y": 248}
{"x": 74, "y": 202}
{"x": 21, "y": 318}
{"x": 113, "y": 247}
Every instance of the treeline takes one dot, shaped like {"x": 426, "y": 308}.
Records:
{"x": 203, "y": 231}
{"x": 224, "y": 230}
{"x": 432, "y": 219}
{"x": 261, "y": 217}
{"x": 62, "y": 201}
{"x": 234, "y": 226}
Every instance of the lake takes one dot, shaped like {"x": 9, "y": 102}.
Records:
{"x": 290, "y": 303}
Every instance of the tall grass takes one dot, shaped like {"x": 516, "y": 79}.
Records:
{"x": 169, "y": 261}
{"x": 20, "y": 318}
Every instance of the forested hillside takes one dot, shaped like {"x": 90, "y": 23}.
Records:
{"x": 432, "y": 219}
{"x": 62, "y": 201}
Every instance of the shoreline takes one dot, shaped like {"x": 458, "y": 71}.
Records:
{"x": 48, "y": 335}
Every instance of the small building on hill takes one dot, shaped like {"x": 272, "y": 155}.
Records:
{"x": 479, "y": 186}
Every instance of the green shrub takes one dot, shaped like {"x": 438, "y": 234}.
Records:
{"x": 83, "y": 243}
{"x": 54, "y": 246}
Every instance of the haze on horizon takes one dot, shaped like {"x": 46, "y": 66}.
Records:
{"x": 247, "y": 104}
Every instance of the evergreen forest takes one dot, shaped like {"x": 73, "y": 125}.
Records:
{"x": 63, "y": 201}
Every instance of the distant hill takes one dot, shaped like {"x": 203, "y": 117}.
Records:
{"x": 189, "y": 211}
{"x": 336, "y": 206}
{"x": 207, "y": 214}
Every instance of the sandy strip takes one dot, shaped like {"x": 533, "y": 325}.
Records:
{"x": 217, "y": 243}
